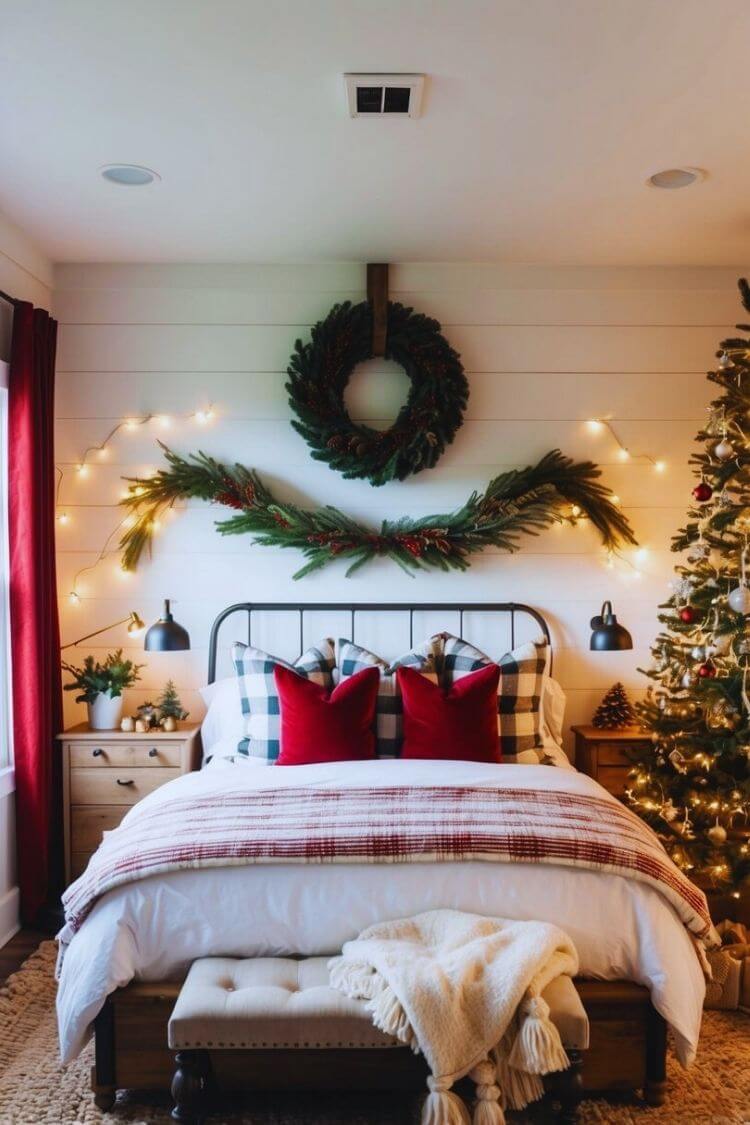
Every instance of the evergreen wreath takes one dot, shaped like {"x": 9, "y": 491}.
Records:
{"x": 429, "y": 419}
{"x": 522, "y": 501}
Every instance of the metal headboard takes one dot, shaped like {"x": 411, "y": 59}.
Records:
{"x": 353, "y": 608}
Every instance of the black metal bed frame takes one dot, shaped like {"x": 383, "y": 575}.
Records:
{"x": 353, "y": 608}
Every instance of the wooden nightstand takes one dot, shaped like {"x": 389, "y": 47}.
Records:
{"x": 603, "y": 754}
{"x": 106, "y": 772}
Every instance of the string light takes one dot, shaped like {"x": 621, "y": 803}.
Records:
{"x": 101, "y": 450}
{"x": 596, "y": 425}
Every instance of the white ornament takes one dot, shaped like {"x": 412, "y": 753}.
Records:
{"x": 739, "y": 599}
{"x": 725, "y": 362}
{"x": 689, "y": 679}
{"x": 724, "y": 450}
{"x": 698, "y": 653}
{"x": 683, "y": 588}
{"x": 717, "y": 835}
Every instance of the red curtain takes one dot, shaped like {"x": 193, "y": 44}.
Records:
{"x": 35, "y": 634}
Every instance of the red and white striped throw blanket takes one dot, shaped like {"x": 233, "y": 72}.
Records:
{"x": 260, "y": 816}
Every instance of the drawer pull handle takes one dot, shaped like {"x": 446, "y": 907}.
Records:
{"x": 153, "y": 752}
{"x": 98, "y": 752}
{"x": 128, "y": 782}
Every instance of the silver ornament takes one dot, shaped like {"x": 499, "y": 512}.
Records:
{"x": 678, "y": 761}
{"x": 724, "y": 450}
{"x": 739, "y": 599}
{"x": 698, "y": 652}
{"x": 683, "y": 588}
{"x": 689, "y": 679}
{"x": 725, "y": 362}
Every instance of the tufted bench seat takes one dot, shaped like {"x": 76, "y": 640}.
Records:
{"x": 279, "y": 1002}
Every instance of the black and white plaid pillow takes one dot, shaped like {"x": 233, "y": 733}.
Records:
{"x": 259, "y": 696}
{"x": 519, "y": 693}
{"x": 351, "y": 658}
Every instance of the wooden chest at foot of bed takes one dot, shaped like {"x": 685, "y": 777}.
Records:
{"x": 627, "y": 1050}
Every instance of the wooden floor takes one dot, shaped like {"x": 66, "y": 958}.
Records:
{"x": 17, "y": 950}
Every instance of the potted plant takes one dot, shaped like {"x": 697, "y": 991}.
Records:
{"x": 101, "y": 687}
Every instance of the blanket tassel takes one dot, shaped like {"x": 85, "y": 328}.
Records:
{"x": 538, "y": 1048}
{"x": 487, "y": 1110}
{"x": 442, "y": 1106}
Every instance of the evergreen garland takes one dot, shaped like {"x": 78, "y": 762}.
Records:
{"x": 320, "y": 370}
{"x": 522, "y": 501}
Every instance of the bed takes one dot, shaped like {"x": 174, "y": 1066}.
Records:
{"x": 123, "y": 964}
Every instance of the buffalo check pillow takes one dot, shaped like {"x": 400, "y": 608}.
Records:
{"x": 351, "y": 658}
{"x": 519, "y": 693}
{"x": 259, "y": 696}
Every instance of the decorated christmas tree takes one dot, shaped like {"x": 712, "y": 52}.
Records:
{"x": 615, "y": 710}
{"x": 693, "y": 784}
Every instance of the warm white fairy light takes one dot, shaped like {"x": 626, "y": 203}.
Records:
{"x": 101, "y": 450}
{"x": 596, "y": 425}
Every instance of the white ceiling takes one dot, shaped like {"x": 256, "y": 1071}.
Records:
{"x": 542, "y": 119}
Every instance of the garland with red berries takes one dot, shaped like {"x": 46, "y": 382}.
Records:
{"x": 522, "y": 501}
{"x": 320, "y": 369}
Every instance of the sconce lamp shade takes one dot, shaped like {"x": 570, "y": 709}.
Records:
{"x": 166, "y": 635}
{"x": 607, "y": 635}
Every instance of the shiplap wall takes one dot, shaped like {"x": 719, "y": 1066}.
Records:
{"x": 543, "y": 349}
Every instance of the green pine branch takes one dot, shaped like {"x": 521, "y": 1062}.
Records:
{"x": 516, "y": 503}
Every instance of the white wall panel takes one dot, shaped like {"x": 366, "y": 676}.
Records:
{"x": 544, "y": 350}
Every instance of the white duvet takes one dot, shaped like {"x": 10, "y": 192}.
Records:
{"x": 153, "y": 929}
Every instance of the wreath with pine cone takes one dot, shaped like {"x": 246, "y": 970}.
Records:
{"x": 319, "y": 372}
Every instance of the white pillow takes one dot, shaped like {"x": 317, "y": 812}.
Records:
{"x": 553, "y": 709}
{"x": 224, "y": 721}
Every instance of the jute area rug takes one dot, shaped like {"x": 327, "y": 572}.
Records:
{"x": 36, "y": 1090}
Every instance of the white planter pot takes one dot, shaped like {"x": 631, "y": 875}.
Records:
{"x": 105, "y": 712}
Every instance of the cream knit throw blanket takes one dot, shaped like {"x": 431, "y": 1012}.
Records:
{"x": 465, "y": 991}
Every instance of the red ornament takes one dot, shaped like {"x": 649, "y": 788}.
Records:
{"x": 687, "y": 614}
{"x": 703, "y": 492}
{"x": 707, "y": 671}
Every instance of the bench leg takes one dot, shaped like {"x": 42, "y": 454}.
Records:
{"x": 655, "y": 1088}
{"x": 188, "y": 1085}
{"x": 570, "y": 1089}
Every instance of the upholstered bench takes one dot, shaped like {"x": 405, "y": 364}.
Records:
{"x": 278, "y": 1002}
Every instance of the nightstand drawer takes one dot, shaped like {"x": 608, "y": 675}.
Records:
{"x": 614, "y": 779}
{"x": 616, "y": 753}
{"x": 125, "y": 786}
{"x": 122, "y": 754}
{"x": 89, "y": 822}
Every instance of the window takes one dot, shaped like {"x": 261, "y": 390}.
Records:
{"x": 6, "y": 756}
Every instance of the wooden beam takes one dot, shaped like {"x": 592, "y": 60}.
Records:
{"x": 377, "y": 295}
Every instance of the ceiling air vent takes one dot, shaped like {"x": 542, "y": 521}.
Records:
{"x": 374, "y": 95}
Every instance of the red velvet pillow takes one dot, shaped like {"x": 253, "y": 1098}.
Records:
{"x": 322, "y": 726}
{"x": 459, "y": 724}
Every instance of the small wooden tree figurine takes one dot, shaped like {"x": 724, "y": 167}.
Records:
{"x": 615, "y": 710}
